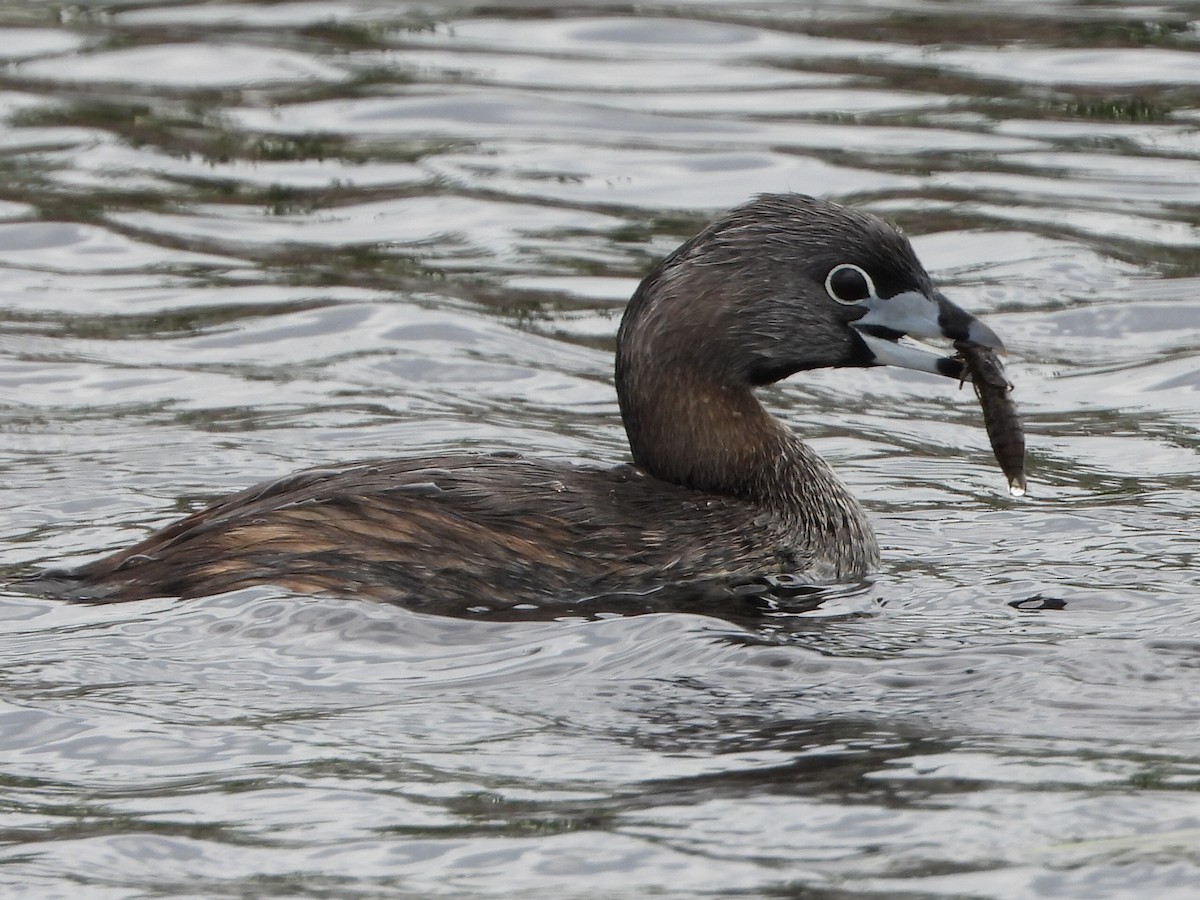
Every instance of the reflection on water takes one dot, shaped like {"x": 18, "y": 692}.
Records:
{"x": 238, "y": 239}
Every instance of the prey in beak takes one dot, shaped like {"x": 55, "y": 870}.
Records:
{"x": 913, "y": 314}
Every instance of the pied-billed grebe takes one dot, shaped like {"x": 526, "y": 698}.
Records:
{"x": 718, "y": 488}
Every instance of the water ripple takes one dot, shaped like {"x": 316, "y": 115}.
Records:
{"x": 238, "y": 239}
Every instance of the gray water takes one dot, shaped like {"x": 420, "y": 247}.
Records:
{"x": 236, "y": 240}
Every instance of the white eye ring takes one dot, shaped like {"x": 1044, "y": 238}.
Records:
{"x": 838, "y": 269}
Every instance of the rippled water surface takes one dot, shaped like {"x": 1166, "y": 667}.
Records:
{"x": 239, "y": 239}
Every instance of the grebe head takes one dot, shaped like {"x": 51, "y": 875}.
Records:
{"x": 787, "y": 283}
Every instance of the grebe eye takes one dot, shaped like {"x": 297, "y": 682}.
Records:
{"x": 849, "y": 284}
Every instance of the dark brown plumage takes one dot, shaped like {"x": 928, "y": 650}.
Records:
{"x": 480, "y": 527}
{"x": 719, "y": 489}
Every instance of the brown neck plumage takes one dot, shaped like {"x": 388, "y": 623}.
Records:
{"x": 719, "y": 439}
{"x": 691, "y": 431}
